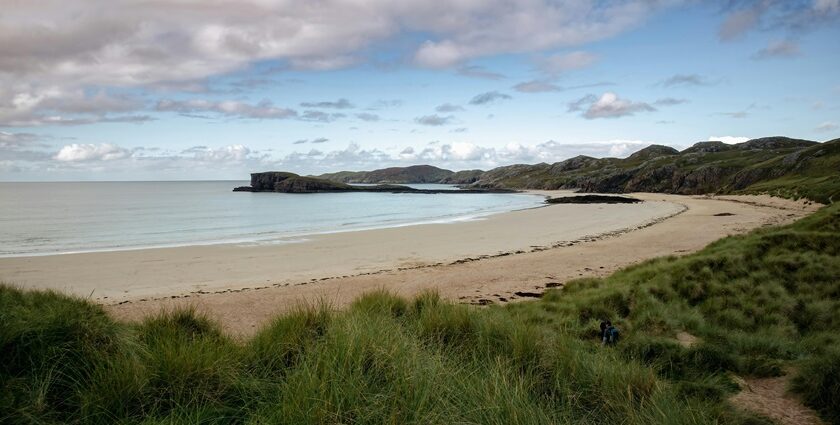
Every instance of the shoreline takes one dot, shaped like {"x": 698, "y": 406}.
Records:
{"x": 115, "y": 276}
{"x": 503, "y": 258}
{"x": 290, "y": 238}
{"x": 534, "y": 248}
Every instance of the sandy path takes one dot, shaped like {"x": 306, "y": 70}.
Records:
{"x": 497, "y": 278}
{"x": 769, "y": 397}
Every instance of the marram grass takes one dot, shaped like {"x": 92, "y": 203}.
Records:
{"x": 760, "y": 305}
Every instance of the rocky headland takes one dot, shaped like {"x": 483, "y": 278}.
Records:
{"x": 284, "y": 182}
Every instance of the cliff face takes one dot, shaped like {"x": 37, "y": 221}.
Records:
{"x": 265, "y": 181}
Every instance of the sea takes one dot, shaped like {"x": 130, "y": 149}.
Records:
{"x": 72, "y": 217}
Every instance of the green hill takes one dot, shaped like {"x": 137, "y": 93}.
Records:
{"x": 780, "y": 166}
{"x": 396, "y": 175}
{"x": 777, "y": 165}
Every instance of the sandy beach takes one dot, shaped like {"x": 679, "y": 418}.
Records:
{"x": 480, "y": 261}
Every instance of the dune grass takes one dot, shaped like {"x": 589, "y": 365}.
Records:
{"x": 761, "y": 304}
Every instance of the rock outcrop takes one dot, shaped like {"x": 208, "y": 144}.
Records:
{"x": 283, "y": 182}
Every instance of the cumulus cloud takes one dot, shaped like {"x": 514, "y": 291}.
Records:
{"x": 337, "y": 104}
{"x": 231, "y": 153}
{"x": 159, "y": 42}
{"x": 608, "y": 105}
{"x": 62, "y": 45}
{"x": 489, "y": 97}
{"x": 238, "y": 159}
{"x": 778, "y": 49}
{"x": 730, "y": 140}
{"x": 434, "y": 120}
{"x": 29, "y": 106}
{"x": 77, "y": 152}
{"x": 460, "y": 155}
{"x": 537, "y": 86}
{"x": 449, "y": 107}
{"x": 229, "y": 108}
{"x": 464, "y": 32}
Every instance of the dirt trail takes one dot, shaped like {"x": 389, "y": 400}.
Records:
{"x": 769, "y": 397}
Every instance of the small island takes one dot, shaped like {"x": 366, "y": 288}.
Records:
{"x": 284, "y": 182}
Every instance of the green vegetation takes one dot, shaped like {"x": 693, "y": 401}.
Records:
{"x": 777, "y": 165}
{"x": 760, "y": 304}
{"x": 781, "y": 166}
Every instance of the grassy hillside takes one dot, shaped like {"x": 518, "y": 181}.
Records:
{"x": 759, "y": 304}
{"x": 396, "y": 175}
{"x": 782, "y": 166}
{"x": 786, "y": 167}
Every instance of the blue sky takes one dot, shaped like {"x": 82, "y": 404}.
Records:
{"x": 119, "y": 90}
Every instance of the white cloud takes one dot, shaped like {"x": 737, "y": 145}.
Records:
{"x": 150, "y": 42}
{"x": 609, "y": 105}
{"x": 238, "y": 160}
{"x": 730, "y": 140}
{"x": 23, "y": 105}
{"x": 230, "y": 108}
{"x": 231, "y": 153}
{"x": 90, "y": 152}
{"x": 456, "y": 156}
{"x": 472, "y": 29}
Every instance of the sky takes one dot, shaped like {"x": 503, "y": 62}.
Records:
{"x": 217, "y": 89}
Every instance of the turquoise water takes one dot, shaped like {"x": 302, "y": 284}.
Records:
{"x": 51, "y": 218}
